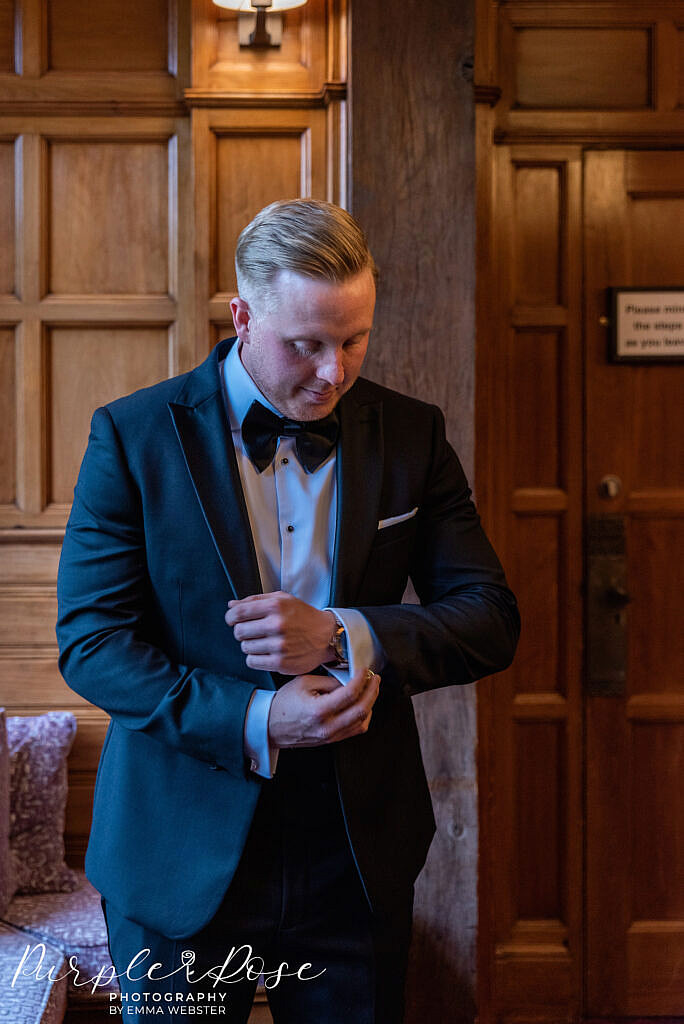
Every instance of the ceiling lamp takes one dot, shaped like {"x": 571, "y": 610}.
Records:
{"x": 259, "y": 21}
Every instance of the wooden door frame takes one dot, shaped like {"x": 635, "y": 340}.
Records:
{"x": 508, "y": 971}
{"x": 536, "y": 963}
{"x": 507, "y": 124}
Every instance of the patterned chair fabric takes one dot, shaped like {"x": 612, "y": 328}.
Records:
{"x": 41, "y": 928}
{"x": 38, "y": 750}
{"x": 73, "y": 923}
{"x": 30, "y": 1000}
{"x": 6, "y": 884}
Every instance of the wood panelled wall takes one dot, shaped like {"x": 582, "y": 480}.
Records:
{"x": 554, "y": 80}
{"x": 129, "y": 161}
{"x": 96, "y": 293}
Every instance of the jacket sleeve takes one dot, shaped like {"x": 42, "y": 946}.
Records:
{"x": 104, "y": 594}
{"x": 467, "y": 624}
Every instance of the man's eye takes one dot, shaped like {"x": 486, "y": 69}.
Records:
{"x": 304, "y": 348}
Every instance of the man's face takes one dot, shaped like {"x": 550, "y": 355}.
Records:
{"x": 305, "y": 347}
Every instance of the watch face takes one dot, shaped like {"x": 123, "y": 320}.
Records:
{"x": 340, "y": 643}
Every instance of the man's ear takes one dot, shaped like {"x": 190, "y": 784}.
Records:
{"x": 242, "y": 317}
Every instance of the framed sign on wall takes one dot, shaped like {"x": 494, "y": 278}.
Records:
{"x": 647, "y": 325}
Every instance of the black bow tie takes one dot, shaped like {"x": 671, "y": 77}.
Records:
{"x": 314, "y": 439}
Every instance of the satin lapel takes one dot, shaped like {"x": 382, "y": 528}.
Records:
{"x": 207, "y": 445}
{"x": 359, "y": 483}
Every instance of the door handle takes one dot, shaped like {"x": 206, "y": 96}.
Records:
{"x": 617, "y": 597}
{"x": 610, "y": 486}
{"x": 606, "y": 609}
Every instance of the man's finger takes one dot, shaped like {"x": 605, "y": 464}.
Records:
{"x": 257, "y": 597}
{"x": 247, "y": 611}
{"x": 254, "y": 629}
{"x": 264, "y": 662}
{"x": 346, "y": 734}
{"x": 361, "y": 681}
{"x": 352, "y": 722}
{"x": 362, "y": 684}
{"x": 323, "y": 684}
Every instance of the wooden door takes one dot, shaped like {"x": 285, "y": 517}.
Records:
{"x": 634, "y": 236}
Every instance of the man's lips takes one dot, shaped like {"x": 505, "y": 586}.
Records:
{"x": 320, "y": 396}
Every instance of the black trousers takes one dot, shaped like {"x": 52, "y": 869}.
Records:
{"x": 295, "y": 913}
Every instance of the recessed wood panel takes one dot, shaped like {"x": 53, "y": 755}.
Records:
{"x": 652, "y": 173}
{"x": 299, "y": 64}
{"x": 7, "y": 230}
{"x": 109, "y": 35}
{"x": 219, "y": 331}
{"x": 540, "y": 830}
{"x": 6, "y": 35}
{"x": 534, "y": 578}
{"x": 658, "y": 448}
{"x": 582, "y": 68}
{"x": 251, "y": 171}
{"x": 27, "y": 618}
{"x": 291, "y": 50}
{"x": 536, "y": 361}
{"x": 654, "y": 987}
{"x": 656, "y": 637}
{"x": 29, "y": 563}
{"x": 33, "y": 684}
{"x": 543, "y": 985}
{"x": 538, "y": 236}
{"x": 657, "y": 805}
{"x": 660, "y": 253}
{"x": 108, "y": 217}
{"x": 87, "y": 367}
{"x": 680, "y": 40}
{"x": 8, "y": 428}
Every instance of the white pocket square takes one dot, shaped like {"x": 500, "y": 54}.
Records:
{"x": 393, "y": 520}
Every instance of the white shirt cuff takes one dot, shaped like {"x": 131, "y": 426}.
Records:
{"x": 363, "y": 648}
{"x": 261, "y": 756}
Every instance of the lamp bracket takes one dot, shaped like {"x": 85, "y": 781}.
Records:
{"x": 260, "y": 30}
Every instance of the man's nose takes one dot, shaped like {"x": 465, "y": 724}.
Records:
{"x": 331, "y": 368}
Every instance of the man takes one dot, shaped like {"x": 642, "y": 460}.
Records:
{"x": 230, "y": 593}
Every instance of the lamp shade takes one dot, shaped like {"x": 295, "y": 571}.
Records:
{"x": 247, "y": 7}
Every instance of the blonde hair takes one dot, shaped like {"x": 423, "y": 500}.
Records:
{"x": 307, "y": 236}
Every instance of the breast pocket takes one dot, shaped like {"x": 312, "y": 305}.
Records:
{"x": 388, "y": 564}
{"x": 396, "y": 533}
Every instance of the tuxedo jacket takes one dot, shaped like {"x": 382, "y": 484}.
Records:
{"x": 158, "y": 542}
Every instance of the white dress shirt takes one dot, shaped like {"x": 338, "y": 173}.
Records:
{"x": 293, "y": 518}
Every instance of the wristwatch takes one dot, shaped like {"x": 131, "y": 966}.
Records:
{"x": 339, "y": 647}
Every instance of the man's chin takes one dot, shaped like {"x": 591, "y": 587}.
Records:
{"x": 313, "y": 408}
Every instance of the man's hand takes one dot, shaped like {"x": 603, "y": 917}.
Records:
{"x": 280, "y": 633}
{"x": 312, "y": 710}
